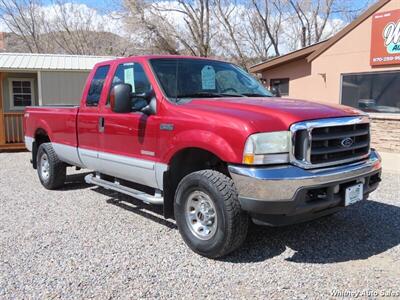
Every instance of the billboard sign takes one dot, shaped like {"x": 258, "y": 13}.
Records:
{"x": 385, "y": 38}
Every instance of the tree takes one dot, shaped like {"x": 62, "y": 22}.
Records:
{"x": 227, "y": 13}
{"x": 242, "y": 31}
{"x": 256, "y": 35}
{"x": 313, "y": 16}
{"x": 188, "y": 33}
{"x": 24, "y": 19}
{"x": 271, "y": 14}
{"x": 62, "y": 27}
{"x": 153, "y": 33}
{"x": 75, "y": 30}
{"x": 242, "y": 35}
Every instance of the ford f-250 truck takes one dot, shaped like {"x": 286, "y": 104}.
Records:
{"x": 208, "y": 142}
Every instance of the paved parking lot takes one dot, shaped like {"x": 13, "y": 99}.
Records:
{"x": 85, "y": 242}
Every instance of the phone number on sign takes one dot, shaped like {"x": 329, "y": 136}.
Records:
{"x": 386, "y": 58}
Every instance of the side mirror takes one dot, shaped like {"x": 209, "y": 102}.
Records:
{"x": 120, "y": 98}
{"x": 275, "y": 91}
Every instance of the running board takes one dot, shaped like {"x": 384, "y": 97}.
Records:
{"x": 116, "y": 186}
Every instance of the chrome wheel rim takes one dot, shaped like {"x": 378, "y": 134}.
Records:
{"x": 201, "y": 215}
{"x": 44, "y": 166}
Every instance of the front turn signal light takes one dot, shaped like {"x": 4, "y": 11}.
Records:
{"x": 248, "y": 159}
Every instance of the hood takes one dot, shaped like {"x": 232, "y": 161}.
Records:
{"x": 270, "y": 114}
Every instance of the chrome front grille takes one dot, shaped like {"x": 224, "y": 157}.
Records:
{"x": 328, "y": 142}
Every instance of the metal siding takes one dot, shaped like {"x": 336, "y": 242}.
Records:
{"x": 45, "y": 63}
{"x": 24, "y": 62}
{"x": 16, "y": 61}
{"x": 61, "y": 63}
{"x": 31, "y": 63}
{"x": 34, "y": 61}
{"x": 13, "y": 60}
{"x": 3, "y": 59}
{"x": 81, "y": 63}
{"x": 74, "y": 64}
{"x": 62, "y": 87}
{"x": 68, "y": 62}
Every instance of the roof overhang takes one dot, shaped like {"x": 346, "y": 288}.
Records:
{"x": 284, "y": 59}
{"x": 4, "y": 70}
{"x": 25, "y": 62}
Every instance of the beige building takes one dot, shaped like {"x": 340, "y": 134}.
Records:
{"x": 37, "y": 79}
{"x": 360, "y": 67}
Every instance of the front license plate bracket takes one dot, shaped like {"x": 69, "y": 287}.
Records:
{"x": 353, "y": 194}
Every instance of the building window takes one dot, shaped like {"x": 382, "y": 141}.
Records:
{"x": 21, "y": 92}
{"x": 372, "y": 92}
{"x": 281, "y": 86}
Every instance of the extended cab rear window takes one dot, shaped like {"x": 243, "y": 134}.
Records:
{"x": 96, "y": 86}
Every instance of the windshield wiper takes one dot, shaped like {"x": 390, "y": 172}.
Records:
{"x": 254, "y": 95}
{"x": 208, "y": 95}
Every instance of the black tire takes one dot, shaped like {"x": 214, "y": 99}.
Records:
{"x": 231, "y": 221}
{"x": 56, "y": 173}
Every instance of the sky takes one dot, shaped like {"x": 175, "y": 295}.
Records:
{"x": 108, "y": 4}
{"x": 105, "y": 7}
{"x": 102, "y": 10}
{"x": 102, "y": 5}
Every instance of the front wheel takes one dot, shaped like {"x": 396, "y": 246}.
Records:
{"x": 51, "y": 171}
{"x": 208, "y": 213}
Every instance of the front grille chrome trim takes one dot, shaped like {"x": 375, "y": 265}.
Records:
{"x": 308, "y": 126}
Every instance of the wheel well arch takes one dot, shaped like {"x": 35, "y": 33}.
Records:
{"x": 41, "y": 136}
{"x": 184, "y": 162}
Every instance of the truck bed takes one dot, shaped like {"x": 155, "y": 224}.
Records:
{"x": 59, "y": 122}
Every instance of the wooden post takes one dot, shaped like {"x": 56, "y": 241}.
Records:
{"x": 2, "y": 125}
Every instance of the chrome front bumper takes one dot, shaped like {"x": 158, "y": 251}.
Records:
{"x": 278, "y": 189}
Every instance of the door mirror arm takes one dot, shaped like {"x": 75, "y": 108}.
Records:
{"x": 146, "y": 95}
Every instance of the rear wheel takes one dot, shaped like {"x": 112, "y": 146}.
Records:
{"x": 51, "y": 171}
{"x": 208, "y": 213}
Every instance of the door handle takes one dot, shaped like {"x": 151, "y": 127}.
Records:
{"x": 101, "y": 124}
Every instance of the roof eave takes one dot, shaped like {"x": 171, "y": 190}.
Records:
{"x": 275, "y": 64}
{"x": 42, "y": 70}
{"x": 289, "y": 57}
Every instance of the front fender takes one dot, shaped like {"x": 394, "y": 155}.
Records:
{"x": 204, "y": 140}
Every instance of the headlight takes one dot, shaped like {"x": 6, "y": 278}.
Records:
{"x": 267, "y": 148}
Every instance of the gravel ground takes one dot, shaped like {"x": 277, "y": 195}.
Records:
{"x": 85, "y": 242}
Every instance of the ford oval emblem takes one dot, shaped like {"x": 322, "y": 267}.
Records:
{"x": 347, "y": 142}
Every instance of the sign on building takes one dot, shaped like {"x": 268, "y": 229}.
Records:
{"x": 385, "y": 39}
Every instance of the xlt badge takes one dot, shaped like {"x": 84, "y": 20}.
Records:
{"x": 166, "y": 126}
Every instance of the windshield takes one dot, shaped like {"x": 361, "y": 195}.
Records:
{"x": 189, "y": 78}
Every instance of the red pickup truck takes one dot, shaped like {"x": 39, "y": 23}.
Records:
{"x": 208, "y": 142}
